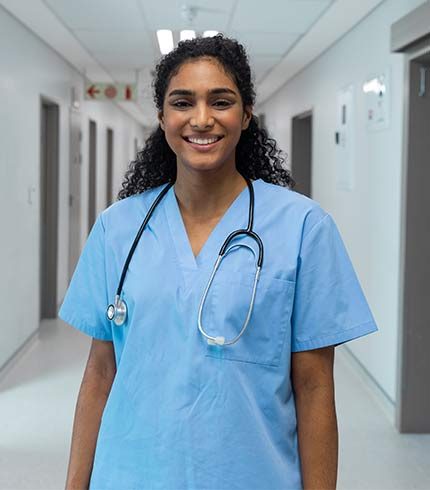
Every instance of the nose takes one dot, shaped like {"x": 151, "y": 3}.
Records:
{"x": 201, "y": 117}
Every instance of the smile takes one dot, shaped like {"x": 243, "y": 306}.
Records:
{"x": 202, "y": 143}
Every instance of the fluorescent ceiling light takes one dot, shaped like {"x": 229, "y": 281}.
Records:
{"x": 187, "y": 35}
{"x": 210, "y": 33}
{"x": 165, "y": 40}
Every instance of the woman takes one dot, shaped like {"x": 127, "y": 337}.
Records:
{"x": 171, "y": 398}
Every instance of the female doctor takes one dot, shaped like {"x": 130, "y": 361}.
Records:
{"x": 211, "y": 364}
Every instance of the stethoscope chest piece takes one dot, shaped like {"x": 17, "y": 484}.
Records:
{"x": 117, "y": 312}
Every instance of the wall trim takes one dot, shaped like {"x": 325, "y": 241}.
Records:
{"x": 369, "y": 383}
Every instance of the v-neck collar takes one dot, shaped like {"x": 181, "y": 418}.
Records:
{"x": 230, "y": 221}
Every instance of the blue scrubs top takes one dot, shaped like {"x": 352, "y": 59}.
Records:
{"x": 183, "y": 414}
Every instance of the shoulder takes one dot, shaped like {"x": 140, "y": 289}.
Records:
{"x": 129, "y": 209}
{"x": 294, "y": 207}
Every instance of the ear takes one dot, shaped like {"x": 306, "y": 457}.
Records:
{"x": 160, "y": 119}
{"x": 247, "y": 116}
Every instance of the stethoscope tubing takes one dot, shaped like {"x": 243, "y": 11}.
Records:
{"x": 139, "y": 234}
{"x": 117, "y": 312}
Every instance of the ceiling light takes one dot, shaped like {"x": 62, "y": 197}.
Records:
{"x": 165, "y": 40}
{"x": 210, "y": 33}
{"x": 187, "y": 35}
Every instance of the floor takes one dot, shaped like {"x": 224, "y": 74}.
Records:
{"x": 38, "y": 396}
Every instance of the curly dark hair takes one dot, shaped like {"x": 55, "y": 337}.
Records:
{"x": 257, "y": 155}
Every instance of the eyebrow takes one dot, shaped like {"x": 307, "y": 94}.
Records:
{"x": 221, "y": 90}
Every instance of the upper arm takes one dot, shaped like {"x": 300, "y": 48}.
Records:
{"x": 312, "y": 368}
{"x": 86, "y": 299}
{"x": 101, "y": 359}
{"x": 329, "y": 305}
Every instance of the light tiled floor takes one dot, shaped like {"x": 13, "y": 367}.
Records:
{"x": 38, "y": 396}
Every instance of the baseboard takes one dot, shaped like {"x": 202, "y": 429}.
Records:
{"x": 15, "y": 358}
{"x": 368, "y": 382}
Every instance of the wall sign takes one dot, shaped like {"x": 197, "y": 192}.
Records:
{"x": 377, "y": 90}
{"x": 111, "y": 91}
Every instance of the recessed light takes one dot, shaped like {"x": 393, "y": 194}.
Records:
{"x": 187, "y": 34}
{"x": 165, "y": 40}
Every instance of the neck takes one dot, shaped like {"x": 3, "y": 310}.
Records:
{"x": 206, "y": 196}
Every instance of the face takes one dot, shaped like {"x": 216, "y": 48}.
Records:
{"x": 203, "y": 116}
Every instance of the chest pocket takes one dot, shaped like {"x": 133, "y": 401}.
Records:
{"x": 226, "y": 308}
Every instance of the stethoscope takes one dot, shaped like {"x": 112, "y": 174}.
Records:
{"x": 117, "y": 312}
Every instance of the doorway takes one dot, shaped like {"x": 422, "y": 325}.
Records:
{"x": 92, "y": 168}
{"x": 109, "y": 167}
{"x": 49, "y": 151}
{"x": 414, "y": 361}
{"x": 301, "y": 152}
{"x": 75, "y": 164}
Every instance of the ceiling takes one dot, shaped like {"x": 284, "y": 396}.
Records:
{"x": 121, "y": 35}
{"x": 112, "y": 40}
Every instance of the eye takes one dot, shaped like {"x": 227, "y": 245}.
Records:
{"x": 180, "y": 103}
{"x": 223, "y": 103}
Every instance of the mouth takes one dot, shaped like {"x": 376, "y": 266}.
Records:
{"x": 202, "y": 143}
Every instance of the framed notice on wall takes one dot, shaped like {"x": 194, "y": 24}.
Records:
{"x": 377, "y": 90}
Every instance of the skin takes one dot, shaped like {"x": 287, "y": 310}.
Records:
{"x": 95, "y": 388}
{"x": 314, "y": 394}
{"x": 207, "y": 182}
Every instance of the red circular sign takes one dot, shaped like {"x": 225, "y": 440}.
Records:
{"x": 110, "y": 92}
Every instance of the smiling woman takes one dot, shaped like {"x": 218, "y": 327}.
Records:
{"x": 208, "y": 82}
{"x": 208, "y": 232}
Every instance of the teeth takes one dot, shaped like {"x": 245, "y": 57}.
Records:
{"x": 203, "y": 141}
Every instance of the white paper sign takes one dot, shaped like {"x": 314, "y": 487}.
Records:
{"x": 377, "y": 90}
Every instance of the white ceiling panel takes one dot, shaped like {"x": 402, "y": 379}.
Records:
{"x": 98, "y": 15}
{"x": 295, "y": 16}
{"x": 123, "y": 74}
{"x": 116, "y": 42}
{"x": 259, "y": 43}
{"x": 123, "y": 61}
{"x": 166, "y": 14}
{"x": 261, "y": 64}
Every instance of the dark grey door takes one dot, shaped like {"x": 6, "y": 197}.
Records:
{"x": 301, "y": 153}
{"x": 92, "y": 163}
{"x": 109, "y": 166}
{"x": 414, "y": 388}
{"x": 75, "y": 163}
{"x": 49, "y": 132}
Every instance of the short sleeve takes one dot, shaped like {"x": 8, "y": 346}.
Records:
{"x": 85, "y": 302}
{"x": 329, "y": 305}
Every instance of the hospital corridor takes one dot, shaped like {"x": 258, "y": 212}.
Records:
{"x": 215, "y": 246}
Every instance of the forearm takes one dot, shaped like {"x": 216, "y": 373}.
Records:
{"x": 91, "y": 401}
{"x": 317, "y": 437}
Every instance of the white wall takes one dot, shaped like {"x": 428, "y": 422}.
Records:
{"x": 369, "y": 215}
{"x": 29, "y": 69}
